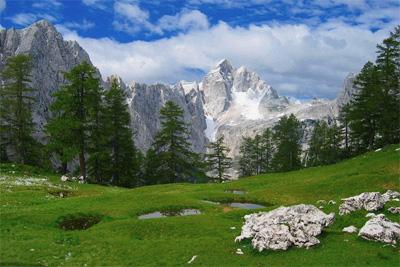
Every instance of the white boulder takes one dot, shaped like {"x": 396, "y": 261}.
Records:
{"x": 285, "y": 226}
{"x": 370, "y": 201}
{"x": 369, "y": 215}
{"x": 381, "y": 229}
{"x": 394, "y": 210}
{"x": 350, "y": 229}
{"x": 64, "y": 178}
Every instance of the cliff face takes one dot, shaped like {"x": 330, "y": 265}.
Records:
{"x": 51, "y": 56}
{"x": 229, "y": 101}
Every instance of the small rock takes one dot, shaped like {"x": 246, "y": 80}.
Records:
{"x": 331, "y": 202}
{"x": 396, "y": 199}
{"x": 32, "y": 249}
{"x": 379, "y": 149}
{"x": 381, "y": 229}
{"x": 192, "y": 259}
{"x": 232, "y": 228}
{"x": 239, "y": 251}
{"x": 321, "y": 201}
{"x": 64, "y": 178}
{"x": 397, "y": 149}
{"x": 394, "y": 210}
{"x": 369, "y": 215}
{"x": 321, "y": 207}
{"x": 346, "y": 240}
{"x": 350, "y": 229}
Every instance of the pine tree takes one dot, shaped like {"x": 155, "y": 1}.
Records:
{"x": 246, "y": 161}
{"x": 324, "y": 145}
{"x": 123, "y": 158}
{"x": 175, "y": 160}
{"x": 267, "y": 147}
{"x": 364, "y": 112}
{"x": 74, "y": 103}
{"x": 98, "y": 162}
{"x": 287, "y": 137}
{"x": 16, "y": 100}
{"x": 388, "y": 66}
{"x": 218, "y": 161}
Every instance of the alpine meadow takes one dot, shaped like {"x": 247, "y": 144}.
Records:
{"x": 145, "y": 133}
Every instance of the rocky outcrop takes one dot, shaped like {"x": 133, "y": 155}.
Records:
{"x": 51, "y": 56}
{"x": 381, "y": 229}
{"x": 370, "y": 201}
{"x": 285, "y": 226}
{"x": 145, "y": 102}
{"x": 348, "y": 91}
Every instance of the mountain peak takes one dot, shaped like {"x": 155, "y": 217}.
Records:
{"x": 224, "y": 65}
{"x": 43, "y": 23}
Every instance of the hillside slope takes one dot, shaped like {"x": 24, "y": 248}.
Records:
{"x": 30, "y": 209}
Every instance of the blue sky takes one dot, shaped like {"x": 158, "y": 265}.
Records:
{"x": 302, "y": 48}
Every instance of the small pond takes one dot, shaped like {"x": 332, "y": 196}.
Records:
{"x": 236, "y": 192}
{"x": 162, "y": 214}
{"x": 240, "y": 205}
{"x": 247, "y": 206}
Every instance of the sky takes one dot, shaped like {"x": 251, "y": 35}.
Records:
{"x": 304, "y": 49}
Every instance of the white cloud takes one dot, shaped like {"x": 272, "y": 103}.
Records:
{"x": 84, "y": 25}
{"x": 24, "y": 19}
{"x": 184, "y": 20}
{"x": 130, "y": 18}
{"x": 99, "y": 4}
{"x": 295, "y": 59}
{"x": 2, "y": 5}
{"x": 47, "y": 4}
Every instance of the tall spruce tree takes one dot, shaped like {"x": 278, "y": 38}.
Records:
{"x": 122, "y": 157}
{"x": 324, "y": 145}
{"x": 218, "y": 161}
{"x": 246, "y": 162}
{"x": 175, "y": 160}
{"x": 364, "y": 111}
{"x": 287, "y": 138}
{"x": 16, "y": 110}
{"x": 388, "y": 66}
{"x": 74, "y": 103}
{"x": 267, "y": 147}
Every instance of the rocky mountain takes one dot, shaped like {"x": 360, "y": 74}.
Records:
{"x": 229, "y": 101}
{"x": 51, "y": 56}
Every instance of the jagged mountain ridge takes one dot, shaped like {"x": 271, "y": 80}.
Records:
{"x": 229, "y": 101}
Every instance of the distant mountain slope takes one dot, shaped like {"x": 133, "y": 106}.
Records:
{"x": 229, "y": 101}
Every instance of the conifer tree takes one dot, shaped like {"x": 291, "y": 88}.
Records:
{"x": 16, "y": 110}
{"x": 287, "y": 137}
{"x": 74, "y": 103}
{"x": 364, "y": 112}
{"x": 267, "y": 148}
{"x": 122, "y": 157}
{"x": 175, "y": 160}
{"x": 324, "y": 145}
{"x": 388, "y": 66}
{"x": 218, "y": 161}
{"x": 246, "y": 162}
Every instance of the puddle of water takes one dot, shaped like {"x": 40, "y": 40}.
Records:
{"x": 248, "y": 206}
{"x": 158, "y": 214}
{"x": 236, "y": 192}
{"x": 211, "y": 202}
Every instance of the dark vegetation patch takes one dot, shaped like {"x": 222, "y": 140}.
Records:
{"x": 78, "y": 221}
{"x": 60, "y": 193}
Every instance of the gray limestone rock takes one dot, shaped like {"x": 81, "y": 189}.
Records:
{"x": 285, "y": 226}
{"x": 381, "y": 229}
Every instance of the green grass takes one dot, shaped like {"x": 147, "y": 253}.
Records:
{"x": 30, "y": 236}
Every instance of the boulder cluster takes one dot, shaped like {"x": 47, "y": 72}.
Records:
{"x": 285, "y": 226}
{"x": 370, "y": 201}
{"x": 299, "y": 225}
